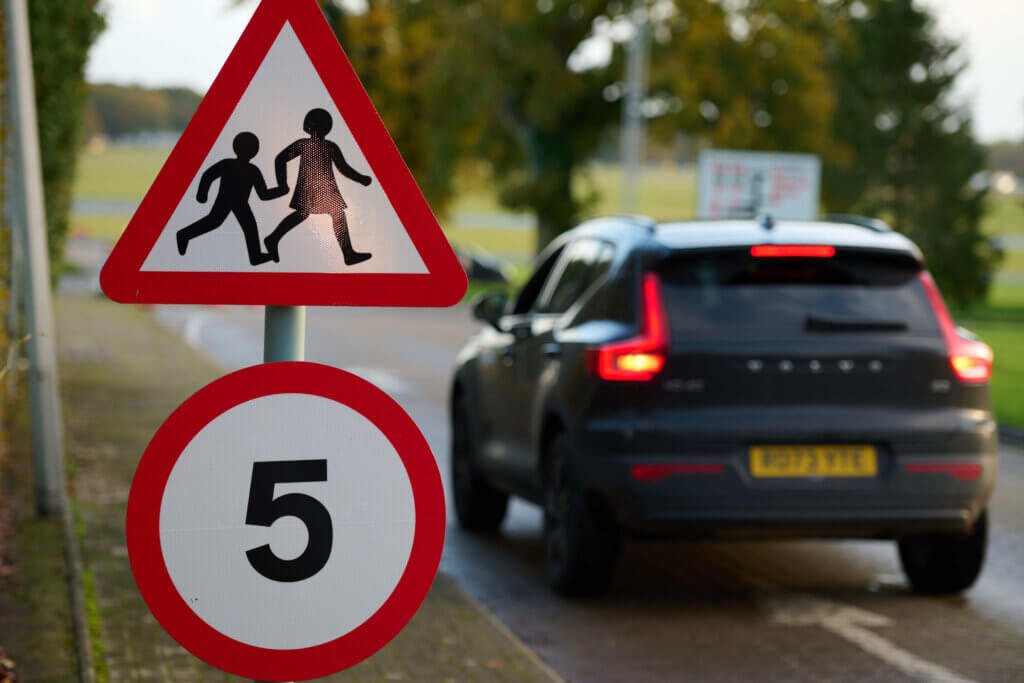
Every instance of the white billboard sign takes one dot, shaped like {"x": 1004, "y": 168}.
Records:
{"x": 737, "y": 184}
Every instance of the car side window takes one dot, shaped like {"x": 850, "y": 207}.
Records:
{"x": 603, "y": 263}
{"x": 529, "y": 295}
{"x": 580, "y": 266}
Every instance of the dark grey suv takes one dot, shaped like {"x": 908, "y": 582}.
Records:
{"x": 728, "y": 379}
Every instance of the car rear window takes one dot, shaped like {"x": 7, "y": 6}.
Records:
{"x": 730, "y": 294}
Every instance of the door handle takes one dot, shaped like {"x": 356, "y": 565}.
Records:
{"x": 508, "y": 357}
{"x": 552, "y": 351}
{"x": 521, "y": 332}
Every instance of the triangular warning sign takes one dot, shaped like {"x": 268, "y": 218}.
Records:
{"x": 285, "y": 189}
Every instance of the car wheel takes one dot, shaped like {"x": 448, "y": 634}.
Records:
{"x": 579, "y": 552}
{"x": 478, "y": 505}
{"x": 945, "y": 563}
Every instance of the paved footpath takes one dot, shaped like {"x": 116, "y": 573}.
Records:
{"x": 122, "y": 375}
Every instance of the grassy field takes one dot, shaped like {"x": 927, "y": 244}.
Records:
{"x": 1004, "y": 215}
{"x": 103, "y": 226}
{"x": 1001, "y": 324}
{"x": 123, "y": 174}
{"x": 664, "y": 193}
{"x": 1013, "y": 262}
{"x": 119, "y": 172}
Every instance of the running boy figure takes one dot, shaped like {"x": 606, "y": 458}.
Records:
{"x": 316, "y": 191}
{"x": 238, "y": 178}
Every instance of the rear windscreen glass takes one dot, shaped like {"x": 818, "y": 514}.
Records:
{"x": 731, "y": 294}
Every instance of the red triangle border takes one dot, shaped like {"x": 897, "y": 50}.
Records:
{"x": 122, "y": 278}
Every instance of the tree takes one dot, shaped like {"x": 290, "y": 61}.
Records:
{"x": 118, "y": 110}
{"x": 913, "y": 151}
{"x": 529, "y": 112}
{"x": 62, "y": 31}
{"x": 514, "y": 83}
{"x": 749, "y": 75}
{"x": 1007, "y": 155}
{"x": 392, "y": 47}
{"x": 488, "y": 80}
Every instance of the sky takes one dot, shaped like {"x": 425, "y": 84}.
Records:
{"x": 185, "y": 42}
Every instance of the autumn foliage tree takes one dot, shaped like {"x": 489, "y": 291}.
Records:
{"x": 751, "y": 75}
{"x": 531, "y": 88}
{"x": 515, "y": 84}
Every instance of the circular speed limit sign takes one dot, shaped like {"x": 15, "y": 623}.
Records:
{"x": 286, "y": 521}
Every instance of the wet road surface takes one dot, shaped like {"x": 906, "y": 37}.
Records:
{"x": 709, "y": 611}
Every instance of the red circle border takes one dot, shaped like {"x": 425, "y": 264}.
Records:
{"x": 150, "y": 481}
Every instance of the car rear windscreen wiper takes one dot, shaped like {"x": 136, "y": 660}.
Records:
{"x": 820, "y": 324}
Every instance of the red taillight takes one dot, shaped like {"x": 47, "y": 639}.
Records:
{"x": 643, "y": 357}
{"x": 962, "y": 471}
{"x": 792, "y": 251}
{"x": 655, "y": 472}
{"x": 971, "y": 360}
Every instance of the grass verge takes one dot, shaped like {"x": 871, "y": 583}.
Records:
{"x": 36, "y": 629}
{"x": 92, "y": 610}
{"x": 122, "y": 375}
{"x": 1000, "y": 323}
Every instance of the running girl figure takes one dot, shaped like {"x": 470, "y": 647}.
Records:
{"x": 316, "y": 191}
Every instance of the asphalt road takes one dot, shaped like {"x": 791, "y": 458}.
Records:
{"x": 768, "y": 611}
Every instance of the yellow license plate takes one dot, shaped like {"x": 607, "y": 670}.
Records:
{"x": 813, "y": 461}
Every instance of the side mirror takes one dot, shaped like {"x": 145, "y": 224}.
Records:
{"x": 489, "y": 308}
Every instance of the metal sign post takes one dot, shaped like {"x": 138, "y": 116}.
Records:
{"x": 633, "y": 123}
{"x": 237, "y": 590}
{"x": 284, "y": 337}
{"x": 284, "y": 333}
{"x": 47, "y": 430}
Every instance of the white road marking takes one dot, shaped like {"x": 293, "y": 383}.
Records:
{"x": 193, "y": 329}
{"x": 384, "y": 380}
{"x": 852, "y": 624}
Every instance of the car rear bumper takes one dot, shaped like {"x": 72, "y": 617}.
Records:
{"x": 718, "y": 497}
{"x": 715, "y": 494}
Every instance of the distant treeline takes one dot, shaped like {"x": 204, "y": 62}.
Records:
{"x": 117, "y": 110}
{"x": 1007, "y": 156}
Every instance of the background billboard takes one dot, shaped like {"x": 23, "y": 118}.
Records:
{"x": 738, "y": 184}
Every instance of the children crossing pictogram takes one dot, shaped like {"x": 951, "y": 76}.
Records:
{"x": 344, "y": 223}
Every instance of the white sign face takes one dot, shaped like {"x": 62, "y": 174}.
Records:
{"x": 237, "y": 467}
{"x": 286, "y": 521}
{"x": 276, "y": 115}
{"x": 285, "y": 190}
{"x": 733, "y": 184}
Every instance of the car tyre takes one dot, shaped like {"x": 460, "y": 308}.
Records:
{"x": 580, "y": 551}
{"x": 479, "y": 506}
{"x": 939, "y": 564}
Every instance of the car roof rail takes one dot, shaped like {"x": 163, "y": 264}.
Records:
{"x": 872, "y": 224}
{"x": 645, "y": 222}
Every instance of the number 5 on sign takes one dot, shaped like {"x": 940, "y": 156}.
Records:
{"x": 286, "y": 521}
{"x": 264, "y": 510}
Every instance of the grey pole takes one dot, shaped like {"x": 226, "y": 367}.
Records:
{"x": 47, "y": 434}
{"x": 637, "y": 58}
{"x": 14, "y": 223}
{"x": 284, "y": 336}
{"x": 284, "y": 333}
